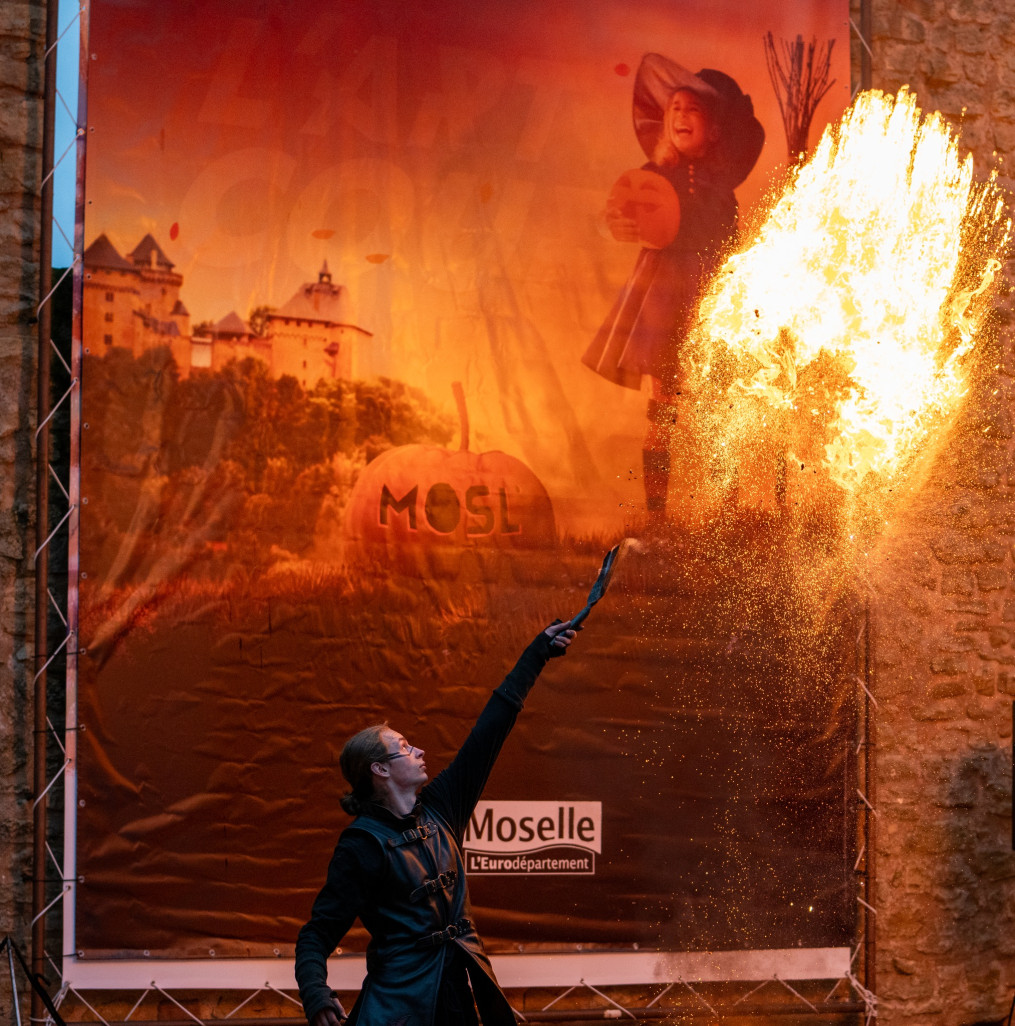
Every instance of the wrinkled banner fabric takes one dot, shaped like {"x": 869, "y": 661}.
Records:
{"x": 342, "y": 460}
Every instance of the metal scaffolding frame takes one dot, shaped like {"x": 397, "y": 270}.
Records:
{"x": 56, "y": 511}
{"x": 53, "y": 877}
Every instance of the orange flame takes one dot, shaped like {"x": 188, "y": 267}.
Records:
{"x": 840, "y": 334}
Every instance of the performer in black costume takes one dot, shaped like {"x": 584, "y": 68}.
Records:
{"x": 399, "y": 868}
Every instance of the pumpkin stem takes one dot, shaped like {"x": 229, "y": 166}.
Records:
{"x": 463, "y": 414}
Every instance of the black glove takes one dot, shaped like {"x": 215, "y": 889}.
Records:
{"x": 557, "y": 648}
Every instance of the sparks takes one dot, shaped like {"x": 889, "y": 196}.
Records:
{"x": 859, "y": 300}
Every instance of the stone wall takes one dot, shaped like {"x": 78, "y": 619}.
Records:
{"x": 944, "y": 590}
{"x": 22, "y": 31}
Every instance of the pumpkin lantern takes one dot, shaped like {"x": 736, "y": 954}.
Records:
{"x": 648, "y": 199}
{"x": 425, "y": 504}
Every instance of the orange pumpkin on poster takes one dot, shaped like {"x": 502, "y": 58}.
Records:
{"x": 422, "y": 501}
{"x": 648, "y": 199}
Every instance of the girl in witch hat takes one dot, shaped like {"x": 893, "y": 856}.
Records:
{"x": 702, "y": 139}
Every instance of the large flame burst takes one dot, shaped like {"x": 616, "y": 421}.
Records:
{"x": 841, "y": 333}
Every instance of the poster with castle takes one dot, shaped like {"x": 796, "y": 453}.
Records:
{"x": 353, "y": 432}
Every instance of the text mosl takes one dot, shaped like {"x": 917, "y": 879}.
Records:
{"x": 443, "y": 509}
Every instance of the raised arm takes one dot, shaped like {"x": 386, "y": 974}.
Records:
{"x": 455, "y": 791}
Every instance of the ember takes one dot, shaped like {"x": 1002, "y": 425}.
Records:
{"x": 839, "y": 338}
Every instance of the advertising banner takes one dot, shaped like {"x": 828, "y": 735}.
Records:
{"x": 382, "y": 317}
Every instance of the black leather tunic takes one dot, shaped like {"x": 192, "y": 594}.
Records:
{"x": 424, "y": 909}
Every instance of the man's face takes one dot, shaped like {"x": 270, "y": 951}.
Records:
{"x": 689, "y": 125}
{"x": 403, "y": 762}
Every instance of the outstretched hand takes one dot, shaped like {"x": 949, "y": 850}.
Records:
{"x": 561, "y": 635}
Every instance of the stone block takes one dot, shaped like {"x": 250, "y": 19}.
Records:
{"x": 984, "y": 685}
{"x": 998, "y": 423}
{"x": 991, "y": 578}
{"x": 20, "y": 71}
{"x": 923, "y": 570}
{"x": 946, "y": 664}
{"x": 942, "y": 69}
{"x": 947, "y": 689}
{"x": 980, "y": 709}
{"x": 977, "y": 626}
{"x": 999, "y": 636}
{"x": 1006, "y": 682}
{"x": 17, "y": 120}
{"x": 955, "y": 549}
{"x": 898, "y": 771}
{"x": 972, "y": 39}
{"x": 978, "y": 72}
{"x": 897, "y": 907}
{"x": 908, "y": 28}
{"x": 991, "y": 660}
{"x": 964, "y": 514}
{"x": 978, "y": 607}
{"x": 982, "y": 981}
{"x": 1006, "y": 60}
{"x": 956, "y": 12}
{"x": 997, "y": 791}
{"x": 12, "y": 534}
{"x": 1002, "y": 24}
{"x": 956, "y": 643}
{"x": 926, "y": 10}
{"x": 896, "y": 64}
{"x": 993, "y": 551}
{"x": 953, "y": 739}
{"x": 957, "y": 582}
{"x": 904, "y": 813}
{"x": 1004, "y": 101}
{"x": 920, "y": 604}
{"x": 936, "y": 711}
{"x": 905, "y": 988}
{"x": 934, "y": 940}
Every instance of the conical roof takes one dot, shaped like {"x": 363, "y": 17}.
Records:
{"x": 102, "y": 253}
{"x": 319, "y": 301}
{"x": 231, "y": 324}
{"x": 145, "y": 250}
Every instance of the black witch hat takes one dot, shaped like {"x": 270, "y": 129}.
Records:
{"x": 741, "y": 134}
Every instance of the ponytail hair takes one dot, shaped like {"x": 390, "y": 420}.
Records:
{"x": 357, "y": 756}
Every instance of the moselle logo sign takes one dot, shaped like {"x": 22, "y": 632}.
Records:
{"x": 534, "y": 838}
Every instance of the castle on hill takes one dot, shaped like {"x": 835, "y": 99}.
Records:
{"x": 134, "y": 302}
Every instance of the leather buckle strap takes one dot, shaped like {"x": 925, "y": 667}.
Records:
{"x": 438, "y": 883}
{"x": 420, "y": 833}
{"x": 431, "y": 940}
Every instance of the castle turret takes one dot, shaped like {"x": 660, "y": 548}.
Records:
{"x": 315, "y": 334}
{"x": 111, "y": 296}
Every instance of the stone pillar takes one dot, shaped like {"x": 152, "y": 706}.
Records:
{"x": 945, "y": 602}
{"x": 22, "y": 34}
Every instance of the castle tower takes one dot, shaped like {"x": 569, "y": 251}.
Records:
{"x": 111, "y": 295}
{"x": 315, "y": 334}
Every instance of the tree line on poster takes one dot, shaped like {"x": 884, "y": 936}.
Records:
{"x": 240, "y": 458}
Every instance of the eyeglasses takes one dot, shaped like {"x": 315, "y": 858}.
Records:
{"x": 403, "y": 754}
